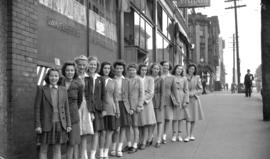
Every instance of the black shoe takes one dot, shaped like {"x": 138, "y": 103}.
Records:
{"x": 126, "y": 149}
{"x": 132, "y": 150}
{"x": 142, "y": 146}
{"x": 157, "y": 145}
{"x": 149, "y": 143}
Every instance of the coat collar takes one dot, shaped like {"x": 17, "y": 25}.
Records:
{"x": 47, "y": 94}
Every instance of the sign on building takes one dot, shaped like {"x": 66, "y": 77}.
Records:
{"x": 193, "y": 3}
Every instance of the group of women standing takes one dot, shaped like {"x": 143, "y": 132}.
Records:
{"x": 119, "y": 105}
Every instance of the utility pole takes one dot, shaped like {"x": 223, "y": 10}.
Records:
{"x": 236, "y": 36}
{"x": 233, "y": 59}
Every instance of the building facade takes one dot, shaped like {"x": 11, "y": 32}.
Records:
{"x": 39, "y": 34}
{"x": 204, "y": 34}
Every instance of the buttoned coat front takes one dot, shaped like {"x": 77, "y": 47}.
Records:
{"x": 136, "y": 93}
{"x": 44, "y": 108}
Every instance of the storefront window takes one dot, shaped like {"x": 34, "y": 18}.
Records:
{"x": 142, "y": 33}
{"x": 166, "y": 50}
{"x": 149, "y": 41}
{"x": 136, "y": 28}
{"x": 159, "y": 16}
{"x": 129, "y": 28}
{"x": 149, "y": 9}
{"x": 159, "y": 46}
{"x": 164, "y": 23}
{"x": 170, "y": 29}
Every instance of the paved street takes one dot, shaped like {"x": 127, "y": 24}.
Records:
{"x": 233, "y": 129}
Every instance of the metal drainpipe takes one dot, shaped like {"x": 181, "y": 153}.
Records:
{"x": 87, "y": 29}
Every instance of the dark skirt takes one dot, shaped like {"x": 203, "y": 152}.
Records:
{"x": 57, "y": 135}
{"x": 125, "y": 118}
{"x": 110, "y": 123}
{"x": 74, "y": 135}
{"x": 98, "y": 122}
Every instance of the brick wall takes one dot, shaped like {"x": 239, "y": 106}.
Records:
{"x": 3, "y": 81}
{"x": 22, "y": 53}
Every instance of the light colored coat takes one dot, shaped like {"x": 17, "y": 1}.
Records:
{"x": 181, "y": 90}
{"x": 136, "y": 93}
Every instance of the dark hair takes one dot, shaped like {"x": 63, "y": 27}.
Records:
{"x": 120, "y": 63}
{"x": 65, "y": 65}
{"x": 93, "y": 58}
{"x": 150, "y": 72}
{"x": 162, "y": 63}
{"x": 140, "y": 67}
{"x": 103, "y": 64}
{"x": 174, "y": 70}
{"x": 133, "y": 65}
{"x": 47, "y": 80}
{"x": 192, "y": 65}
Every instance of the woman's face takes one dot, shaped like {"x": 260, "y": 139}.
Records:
{"x": 143, "y": 71}
{"x": 179, "y": 70}
{"x": 92, "y": 66}
{"x": 70, "y": 72}
{"x": 81, "y": 66}
{"x": 132, "y": 72}
{"x": 106, "y": 70}
{"x": 155, "y": 70}
{"x": 53, "y": 77}
{"x": 191, "y": 70}
{"x": 166, "y": 67}
{"x": 119, "y": 70}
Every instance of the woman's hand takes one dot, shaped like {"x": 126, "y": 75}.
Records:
{"x": 117, "y": 115}
{"x": 92, "y": 116}
{"x": 104, "y": 113}
{"x": 131, "y": 112}
{"x": 38, "y": 130}
{"x": 69, "y": 129}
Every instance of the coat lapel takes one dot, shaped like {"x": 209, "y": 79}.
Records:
{"x": 47, "y": 94}
{"x": 60, "y": 96}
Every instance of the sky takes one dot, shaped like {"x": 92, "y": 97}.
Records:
{"x": 249, "y": 32}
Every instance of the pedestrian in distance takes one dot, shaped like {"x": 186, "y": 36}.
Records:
{"x": 124, "y": 121}
{"x": 93, "y": 93}
{"x": 194, "y": 107}
{"x": 168, "y": 105}
{"x": 248, "y": 83}
{"x": 86, "y": 123}
{"x": 136, "y": 97}
{"x": 181, "y": 95}
{"x": 75, "y": 96}
{"x": 52, "y": 116}
{"x": 158, "y": 100}
{"x": 110, "y": 104}
{"x": 147, "y": 118}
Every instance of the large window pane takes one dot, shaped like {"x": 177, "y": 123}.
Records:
{"x": 142, "y": 34}
{"x": 136, "y": 28}
{"x": 170, "y": 29}
{"x": 159, "y": 46}
{"x": 164, "y": 23}
{"x": 143, "y": 3}
{"x": 166, "y": 50}
{"x": 149, "y": 41}
{"x": 149, "y": 9}
{"x": 129, "y": 28}
{"x": 159, "y": 16}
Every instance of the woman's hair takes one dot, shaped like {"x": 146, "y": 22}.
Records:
{"x": 150, "y": 72}
{"x": 81, "y": 57}
{"x": 120, "y": 63}
{"x": 94, "y": 58}
{"x": 47, "y": 80}
{"x": 162, "y": 63}
{"x": 69, "y": 63}
{"x": 174, "y": 70}
{"x": 135, "y": 66}
{"x": 192, "y": 65}
{"x": 140, "y": 67}
{"x": 103, "y": 64}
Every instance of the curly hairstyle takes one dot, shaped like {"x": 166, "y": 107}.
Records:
{"x": 120, "y": 63}
{"x": 103, "y": 64}
{"x": 150, "y": 72}
{"x": 140, "y": 67}
{"x": 47, "y": 80}
{"x": 65, "y": 65}
{"x": 192, "y": 65}
{"x": 174, "y": 70}
{"x": 162, "y": 63}
{"x": 94, "y": 58}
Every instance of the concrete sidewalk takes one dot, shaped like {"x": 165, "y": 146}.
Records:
{"x": 233, "y": 129}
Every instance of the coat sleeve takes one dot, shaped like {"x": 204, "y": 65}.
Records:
{"x": 67, "y": 109}
{"x": 80, "y": 94}
{"x": 186, "y": 91}
{"x": 141, "y": 93}
{"x": 37, "y": 105}
{"x": 87, "y": 95}
{"x": 117, "y": 111}
{"x": 149, "y": 92}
